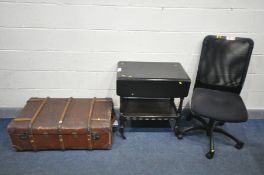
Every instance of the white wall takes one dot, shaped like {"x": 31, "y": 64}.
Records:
{"x": 62, "y": 48}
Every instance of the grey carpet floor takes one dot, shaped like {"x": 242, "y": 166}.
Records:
{"x": 146, "y": 153}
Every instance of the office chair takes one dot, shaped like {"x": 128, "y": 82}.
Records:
{"x": 221, "y": 73}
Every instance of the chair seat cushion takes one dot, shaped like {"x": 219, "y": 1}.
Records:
{"x": 218, "y": 105}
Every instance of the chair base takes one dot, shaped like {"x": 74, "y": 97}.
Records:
{"x": 211, "y": 127}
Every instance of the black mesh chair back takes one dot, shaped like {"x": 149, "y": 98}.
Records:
{"x": 223, "y": 63}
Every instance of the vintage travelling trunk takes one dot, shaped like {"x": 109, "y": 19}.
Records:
{"x": 61, "y": 123}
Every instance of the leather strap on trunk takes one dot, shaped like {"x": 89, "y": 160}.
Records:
{"x": 33, "y": 119}
{"x": 61, "y": 121}
{"x": 89, "y": 130}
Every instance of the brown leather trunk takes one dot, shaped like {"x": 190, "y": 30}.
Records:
{"x": 61, "y": 123}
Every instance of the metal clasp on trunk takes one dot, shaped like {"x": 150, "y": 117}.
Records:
{"x": 74, "y": 135}
{"x": 23, "y": 136}
{"x": 95, "y": 136}
{"x": 45, "y": 135}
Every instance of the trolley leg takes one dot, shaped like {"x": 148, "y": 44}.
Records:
{"x": 122, "y": 125}
{"x": 178, "y": 119}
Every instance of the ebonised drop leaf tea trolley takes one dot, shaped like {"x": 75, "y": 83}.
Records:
{"x": 147, "y": 91}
